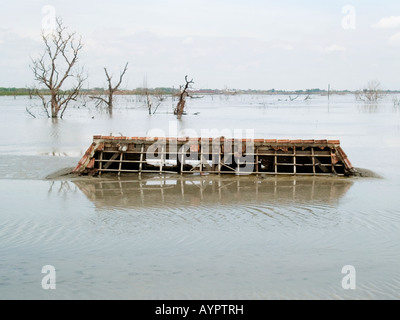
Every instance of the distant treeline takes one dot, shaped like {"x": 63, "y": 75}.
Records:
{"x": 32, "y": 91}
{"x": 174, "y": 91}
{"x": 14, "y": 91}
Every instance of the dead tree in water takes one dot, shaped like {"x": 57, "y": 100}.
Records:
{"x": 148, "y": 100}
{"x": 159, "y": 97}
{"x": 182, "y": 98}
{"x": 372, "y": 93}
{"x": 110, "y": 91}
{"x": 57, "y": 64}
{"x": 31, "y": 92}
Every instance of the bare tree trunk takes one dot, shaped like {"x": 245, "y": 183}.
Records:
{"x": 54, "y": 106}
{"x": 110, "y": 103}
{"x": 181, "y": 103}
{"x": 149, "y": 104}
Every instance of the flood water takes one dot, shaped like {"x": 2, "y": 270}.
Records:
{"x": 200, "y": 237}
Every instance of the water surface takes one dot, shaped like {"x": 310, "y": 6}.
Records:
{"x": 200, "y": 237}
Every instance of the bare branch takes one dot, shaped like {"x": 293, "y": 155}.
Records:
{"x": 156, "y": 108}
{"x": 120, "y": 77}
{"x": 72, "y": 94}
{"x": 44, "y": 103}
{"x": 30, "y": 113}
{"x": 101, "y": 100}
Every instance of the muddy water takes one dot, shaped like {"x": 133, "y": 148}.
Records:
{"x": 200, "y": 237}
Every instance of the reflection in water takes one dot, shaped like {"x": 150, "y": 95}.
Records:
{"x": 54, "y": 131}
{"x": 63, "y": 187}
{"x": 369, "y": 108}
{"x": 208, "y": 190}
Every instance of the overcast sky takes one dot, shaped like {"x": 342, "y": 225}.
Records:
{"x": 220, "y": 44}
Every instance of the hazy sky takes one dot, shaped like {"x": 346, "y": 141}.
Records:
{"x": 220, "y": 44}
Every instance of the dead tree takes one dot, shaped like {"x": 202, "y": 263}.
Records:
{"x": 182, "y": 98}
{"x": 396, "y": 102}
{"x": 108, "y": 101}
{"x": 31, "y": 92}
{"x": 57, "y": 64}
{"x": 148, "y": 100}
{"x": 372, "y": 93}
